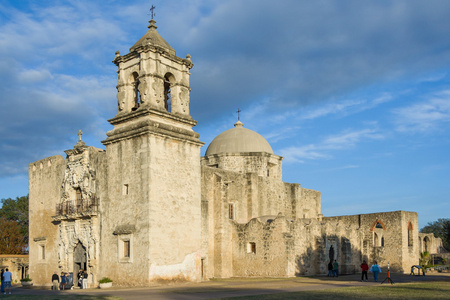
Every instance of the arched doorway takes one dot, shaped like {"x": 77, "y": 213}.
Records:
{"x": 79, "y": 259}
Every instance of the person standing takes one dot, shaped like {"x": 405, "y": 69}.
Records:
{"x": 336, "y": 268}
{"x": 7, "y": 276}
{"x": 375, "y": 269}
{"x": 80, "y": 278}
{"x": 85, "y": 277}
{"x": 63, "y": 281}
{"x": 330, "y": 269}
{"x": 3, "y": 282}
{"x": 364, "y": 268}
{"x": 55, "y": 281}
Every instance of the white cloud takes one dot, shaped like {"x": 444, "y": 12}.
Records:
{"x": 424, "y": 116}
{"x": 32, "y": 76}
{"x": 323, "y": 150}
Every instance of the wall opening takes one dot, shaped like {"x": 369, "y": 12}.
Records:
{"x": 126, "y": 249}
{"x": 79, "y": 258}
{"x": 230, "y": 211}
{"x": 136, "y": 93}
{"x": 168, "y": 82}
{"x": 251, "y": 247}
{"x": 426, "y": 244}
{"x": 331, "y": 254}
{"x": 410, "y": 234}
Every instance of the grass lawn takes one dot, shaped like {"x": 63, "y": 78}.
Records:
{"x": 423, "y": 290}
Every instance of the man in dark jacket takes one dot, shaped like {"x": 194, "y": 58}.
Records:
{"x": 55, "y": 281}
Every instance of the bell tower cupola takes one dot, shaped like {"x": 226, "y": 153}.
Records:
{"x": 152, "y": 76}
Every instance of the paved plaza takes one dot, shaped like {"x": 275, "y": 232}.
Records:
{"x": 234, "y": 287}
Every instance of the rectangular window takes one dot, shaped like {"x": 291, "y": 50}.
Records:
{"x": 230, "y": 211}
{"x": 126, "y": 249}
{"x": 125, "y": 189}
{"x": 251, "y": 247}
{"x": 42, "y": 252}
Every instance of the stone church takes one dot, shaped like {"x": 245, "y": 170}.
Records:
{"x": 150, "y": 209}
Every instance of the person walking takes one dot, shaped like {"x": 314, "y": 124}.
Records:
{"x": 375, "y": 269}
{"x": 336, "y": 268}
{"x": 330, "y": 269}
{"x": 7, "y": 276}
{"x": 55, "y": 281}
{"x": 364, "y": 269}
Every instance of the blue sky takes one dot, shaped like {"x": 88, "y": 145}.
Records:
{"x": 355, "y": 95}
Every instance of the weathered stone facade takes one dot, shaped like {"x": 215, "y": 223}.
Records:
{"x": 17, "y": 264}
{"x": 150, "y": 209}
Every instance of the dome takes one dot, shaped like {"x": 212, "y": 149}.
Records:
{"x": 238, "y": 139}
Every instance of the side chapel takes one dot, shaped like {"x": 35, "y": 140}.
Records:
{"x": 149, "y": 208}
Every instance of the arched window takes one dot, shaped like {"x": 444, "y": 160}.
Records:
{"x": 375, "y": 240}
{"x": 137, "y": 95}
{"x": 382, "y": 241}
{"x": 168, "y": 81}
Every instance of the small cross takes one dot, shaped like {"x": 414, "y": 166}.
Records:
{"x": 152, "y": 9}
{"x": 79, "y": 135}
{"x": 238, "y": 111}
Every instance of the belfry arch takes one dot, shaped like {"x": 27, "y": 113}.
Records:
{"x": 134, "y": 80}
{"x": 169, "y": 80}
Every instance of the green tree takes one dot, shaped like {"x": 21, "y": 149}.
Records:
{"x": 16, "y": 210}
{"x": 440, "y": 229}
{"x": 11, "y": 239}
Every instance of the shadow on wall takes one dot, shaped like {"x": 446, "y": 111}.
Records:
{"x": 315, "y": 258}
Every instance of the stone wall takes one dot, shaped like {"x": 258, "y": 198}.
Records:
{"x": 45, "y": 178}
{"x": 17, "y": 264}
{"x": 262, "y": 163}
{"x": 386, "y": 242}
{"x": 125, "y": 213}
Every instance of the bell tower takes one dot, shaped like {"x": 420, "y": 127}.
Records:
{"x": 153, "y": 166}
{"x": 152, "y": 76}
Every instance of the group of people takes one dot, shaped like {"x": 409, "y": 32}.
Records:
{"x": 6, "y": 277}
{"x": 375, "y": 269}
{"x": 333, "y": 269}
{"x": 65, "y": 280}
